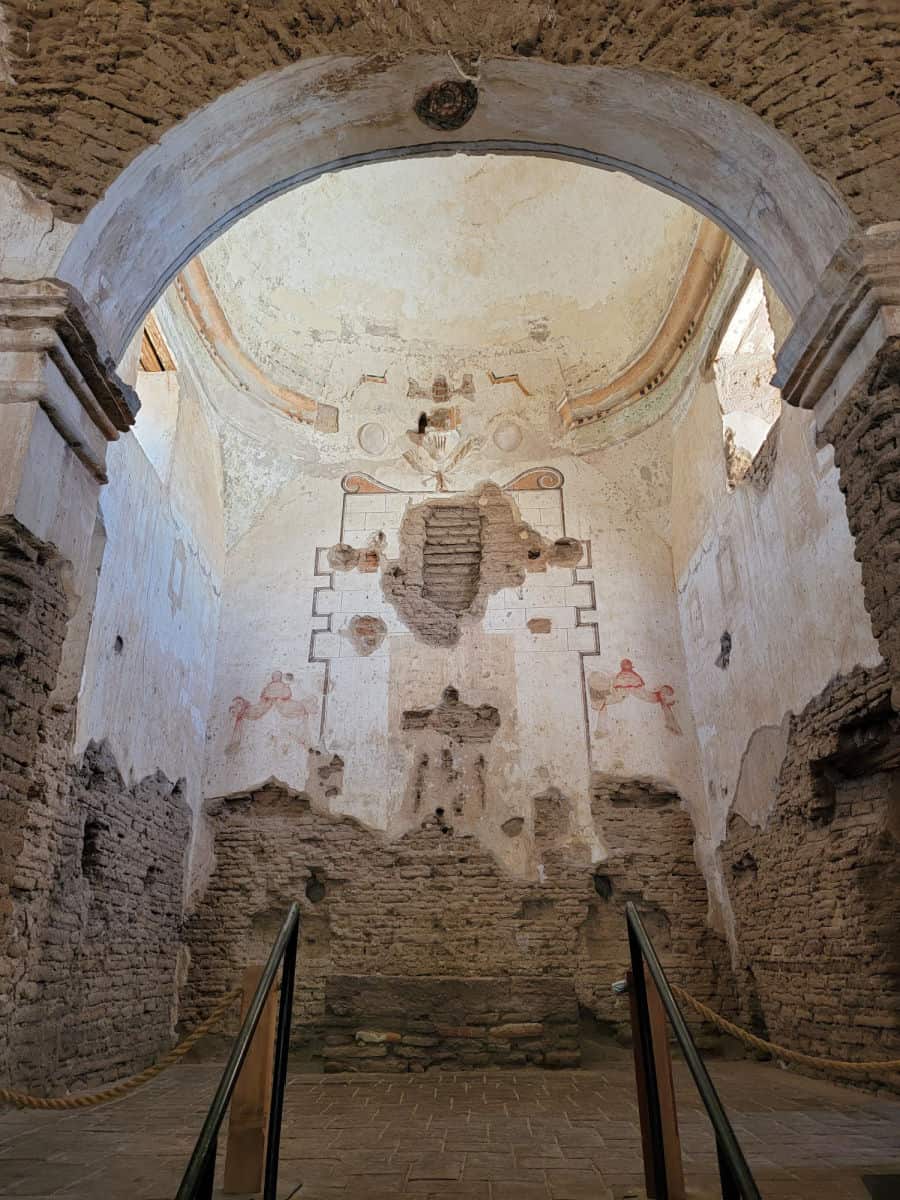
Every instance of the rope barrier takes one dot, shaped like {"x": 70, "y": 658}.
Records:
{"x": 791, "y": 1056}
{"x": 118, "y": 1090}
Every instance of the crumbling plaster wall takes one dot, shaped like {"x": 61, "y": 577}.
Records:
{"x": 93, "y": 690}
{"x": 148, "y": 668}
{"x": 91, "y": 869}
{"x": 815, "y": 889}
{"x": 423, "y": 950}
{"x": 797, "y": 738}
{"x": 771, "y": 564}
{"x": 549, "y": 734}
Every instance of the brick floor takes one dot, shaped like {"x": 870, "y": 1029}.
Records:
{"x": 524, "y": 1135}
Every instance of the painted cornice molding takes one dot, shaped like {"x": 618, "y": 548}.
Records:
{"x": 852, "y": 313}
{"x": 49, "y": 356}
{"x": 680, "y": 324}
{"x": 205, "y": 313}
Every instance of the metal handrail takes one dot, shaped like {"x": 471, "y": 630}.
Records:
{"x": 197, "y": 1182}
{"x": 734, "y": 1173}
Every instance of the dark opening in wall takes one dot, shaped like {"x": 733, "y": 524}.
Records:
{"x": 315, "y": 888}
{"x": 91, "y": 851}
{"x": 118, "y": 644}
{"x": 603, "y": 886}
{"x": 724, "y": 650}
{"x": 745, "y": 865}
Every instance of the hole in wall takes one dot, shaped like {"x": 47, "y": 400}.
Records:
{"x": 91, "y": 851}
{"x": 315, "y": 887}
{"x": 724, "y": 651}
{"x": 746, "y": 864}
{"x": 118, "y": 644}
{"x": 603, "y": 886}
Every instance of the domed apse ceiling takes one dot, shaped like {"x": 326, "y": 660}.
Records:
{"x": 560, "y": 290}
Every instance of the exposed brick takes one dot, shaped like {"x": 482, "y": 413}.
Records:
{"x": 91, "y": 870}
{"x": 866, "y": 436}
{"x": 816, "y": 892}
{"x": 823, "y": 73}
{"x": 429, "y": 938}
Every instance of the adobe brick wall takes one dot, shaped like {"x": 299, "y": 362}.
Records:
{"x": 651, "y": 840}
{"x": 97, "y": 82}
{"x": 33, "y": 618}
{"x": 433, "y": 908}
{"x": 816, "y": 893}
{"x": 865, "y": 433}
{"x": 386, "y": 1023}
{"x": 91, "y": 869}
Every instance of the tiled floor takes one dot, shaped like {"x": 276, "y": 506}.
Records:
{"x": 527, "y": 1135}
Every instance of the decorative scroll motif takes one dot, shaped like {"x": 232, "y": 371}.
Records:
{"x": 539, "y": 479}
{"x": 659, "y": 360}
{"x": 359, "y": 483}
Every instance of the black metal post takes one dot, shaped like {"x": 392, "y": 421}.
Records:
{"x": 189, "y": 1189}
{"x": 726, "y": 1141}
{"x": 730, "y": 1187}
{"x": 651, "y": 1090}
{"x": 279, "y": 1074}
{"x": 207, "y": 1179}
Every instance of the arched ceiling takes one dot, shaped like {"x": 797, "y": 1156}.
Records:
{"x": 581, "y": 287}
{"x": 447, "y": 257}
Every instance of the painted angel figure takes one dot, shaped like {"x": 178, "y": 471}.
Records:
{"x": 605, "y": 690}
{"x": 276, "y": 694}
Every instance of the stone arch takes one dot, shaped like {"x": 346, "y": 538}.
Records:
{"x": 288, "y": 127}
{"x": 97, "y": 83}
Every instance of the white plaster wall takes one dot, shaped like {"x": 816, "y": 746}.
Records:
{"x": 776, "y": 570}
{"x": 159, "y": 591}
{"x": 329, "y": 267}
{"x": 534, "y": 681}
{"x": 638, "y": 620}
{"x": 32, "y": 238}
{"x": 157, "y": 420}
{"x": 265, "y": 627}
